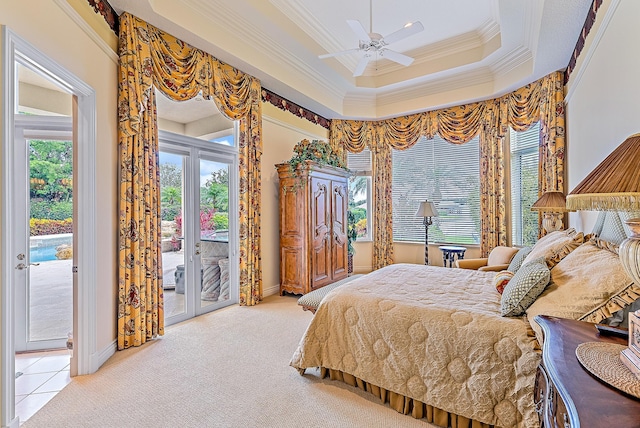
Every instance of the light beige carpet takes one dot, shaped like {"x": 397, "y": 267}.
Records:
{"x": 229, "y": 368}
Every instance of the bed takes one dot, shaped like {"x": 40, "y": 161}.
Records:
{"x": 432, "y": 342}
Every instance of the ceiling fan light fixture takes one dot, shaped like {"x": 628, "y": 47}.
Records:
{"x": 370, "y": 42}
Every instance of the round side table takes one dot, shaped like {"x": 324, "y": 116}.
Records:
{"x": 449, "y": 253}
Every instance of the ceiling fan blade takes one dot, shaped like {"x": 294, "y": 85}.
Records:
{"x": 362, "y": 64}
{"x": 404, "y": 32}
{"x": 396, "y": 57}
{"x": 357, "y": 28}
{"x": 329, "y": 55}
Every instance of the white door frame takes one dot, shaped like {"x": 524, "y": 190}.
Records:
{"x": 85, "y": 361}
{"x": 191, "y": 147}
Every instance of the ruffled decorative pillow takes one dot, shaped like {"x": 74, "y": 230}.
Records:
{"x": 589, "y": 285}
{"x": 501, "y": 280}
{"x": 555, "y": 246}
{"x": 525, "y": 286}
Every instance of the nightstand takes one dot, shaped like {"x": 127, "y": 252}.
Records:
{"x": 568, "y": 396}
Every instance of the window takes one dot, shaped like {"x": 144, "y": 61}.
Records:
{"x": 524, "y": 184}
{"x": 447, "y": 174}
{"x": 360, "y": 192}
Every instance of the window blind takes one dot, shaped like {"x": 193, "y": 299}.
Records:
{"x": 524, "y": 184}
{"x": 360, "y": 163}
{"x": 446, "y": 174}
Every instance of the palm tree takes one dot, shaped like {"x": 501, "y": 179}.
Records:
{"x": 171, "y": 196}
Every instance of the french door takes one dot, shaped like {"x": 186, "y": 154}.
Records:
{"x": 42, "y": 252}
{"x": 198, "y": 187}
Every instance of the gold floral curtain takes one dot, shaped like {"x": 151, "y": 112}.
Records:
{"x": 541, "y": 100}
{"x": 148, "y": 58}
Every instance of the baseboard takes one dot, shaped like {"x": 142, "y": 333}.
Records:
{"x": 362, "y": 269}
{"x": 101, "y": 357}
{"x": 270, "y": 291}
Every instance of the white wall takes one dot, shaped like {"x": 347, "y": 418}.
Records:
{"x": 603, "y": 94}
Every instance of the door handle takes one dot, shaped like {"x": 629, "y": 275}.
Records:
{"x": 22, "y": 266}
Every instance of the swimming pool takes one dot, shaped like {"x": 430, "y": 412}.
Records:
{"x": 43, "y": 248}
{"x": 42, "y": 254}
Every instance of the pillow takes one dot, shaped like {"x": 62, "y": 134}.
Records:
{"x": 589, "y": 285}
{"x": 525, "y": 286}
{"x": 555, "y": 246}
{"x": 517, "y": 260}
{"x": 501, "y": 280}
{"x": 612, "y": 229}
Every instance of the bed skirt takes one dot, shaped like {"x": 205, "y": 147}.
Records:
{"x": 405, "y": 405}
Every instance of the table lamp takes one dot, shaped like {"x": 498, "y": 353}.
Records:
{"x": 614, "y": 185}
{"x": 553, "y": 205}
{"x": 427, "y": 210}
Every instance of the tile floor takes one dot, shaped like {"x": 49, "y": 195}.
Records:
{"x": 44, "y": 374}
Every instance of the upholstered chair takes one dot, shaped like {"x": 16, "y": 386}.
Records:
{"x": 499, "y": 259}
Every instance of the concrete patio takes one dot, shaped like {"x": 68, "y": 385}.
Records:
{"x": 51, "y": 312}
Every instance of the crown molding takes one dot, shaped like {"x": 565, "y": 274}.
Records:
{"x": 511, "y": 61}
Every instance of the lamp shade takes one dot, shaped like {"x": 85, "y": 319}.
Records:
{"x": 612, "y": 185}
{"x": 550, "y": 202}
{"x": 427, "y": 209}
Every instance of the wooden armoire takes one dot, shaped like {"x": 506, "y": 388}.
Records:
{"x": 313, "y": 226}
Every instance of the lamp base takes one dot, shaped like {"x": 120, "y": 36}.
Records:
{"x": 629, "y": 253}
{"x": 552, "y": 222}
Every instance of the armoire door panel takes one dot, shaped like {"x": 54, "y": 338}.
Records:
{"x": 291, "y": 214}
{"x": 292, "y": 272}
{"x": 320, "y": 204}
{"x": 321, "y": 265}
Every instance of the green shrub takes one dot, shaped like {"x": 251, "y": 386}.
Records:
{"x": 50, "y": 227}
{"x": 221, "y": 221}
{"x": 169, "y": 212}
{"x": 51, "y": 210}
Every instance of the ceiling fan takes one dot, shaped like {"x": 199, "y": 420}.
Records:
{"x": 373, "y": 44}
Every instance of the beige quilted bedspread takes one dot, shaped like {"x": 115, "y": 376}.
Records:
{"x": 430, "y": 333}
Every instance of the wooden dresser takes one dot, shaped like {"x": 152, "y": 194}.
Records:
{"x": 568, "y": 396}
{"x": 313, "y": 226}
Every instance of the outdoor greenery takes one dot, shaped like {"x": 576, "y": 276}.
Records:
{"x": 357, "y": 198}
{"x": 214, "y": 197}
{"x": 50, "y": 227}
{"x": 352, "y": 232}
{"x": 51, "y": 187}
{"x": 529, "y": 180}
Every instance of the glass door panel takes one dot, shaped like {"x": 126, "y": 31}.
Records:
{"x": 174, "y": 278}
{"x": 49, "y": 287}
{"x": 214, "y": 234}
